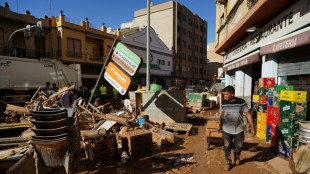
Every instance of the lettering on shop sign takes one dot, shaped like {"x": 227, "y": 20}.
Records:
{"x": 5, "y": 64}
{"x": 292, "y": 19}
{"x": 238, "y": 64}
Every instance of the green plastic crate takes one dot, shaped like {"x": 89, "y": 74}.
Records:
{"x": 279, "y": 88}
{"x": 198, "y": 99}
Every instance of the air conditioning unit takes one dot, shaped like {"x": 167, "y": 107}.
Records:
{"x": 222, "y": 2}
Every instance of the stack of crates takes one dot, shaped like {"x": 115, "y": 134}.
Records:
{"x": 274, "y": 115}
{"x": 293, "y": 109}
{"x": 265, "y": 84}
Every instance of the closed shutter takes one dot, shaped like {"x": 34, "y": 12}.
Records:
{"x": 294, "y": 61}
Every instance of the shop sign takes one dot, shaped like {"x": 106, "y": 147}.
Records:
{"x": 126, "y": 59}
{"x": 117, "y": 78}
{"x": 290, "y": 20}
{"x": 287, "y": 43}
{"x": 242, "y": 62}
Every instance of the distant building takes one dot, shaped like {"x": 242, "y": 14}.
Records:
{"x": 183, "y": 31}
{"x": 211, "y": 55}
{"x": 161, "y": 55}
{"x": 81, "y": 42}
{"x": 34, "y": 47}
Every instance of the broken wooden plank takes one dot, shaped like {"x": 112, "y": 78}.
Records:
{"x": 88, "y": 111}
{"x": 17, "y": 109}
{"x": 35, "y": 94}
{"x": 62, "y": 90}
{"x": 118, "y": 119}
{"x": 26, "y": 125}
{"x": 93, "y": 107}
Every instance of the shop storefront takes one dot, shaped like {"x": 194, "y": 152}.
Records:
{"x": 278, "y": 49}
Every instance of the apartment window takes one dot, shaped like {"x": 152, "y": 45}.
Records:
{"x": 158, "y": 61}
{"x": 168, "y": 63}
{"x": 201, "y": 28}
{"x": 184, "y": 17}
{"x": 184, "y": 43}
{"x": 196, "y": 71}
{"x": 184, "y": 31}
{"x": 200, "y": 49}
{"x": 179, "y": 14}
{"x": 162, "y": 62}
{"x": 196, "y": 25}
{"x": 179, "y": 41}
{"x": 200, "y": 39}
{"x": 200, "y": 71}
{"x": 201, "y": 60}
{"x": 178, "y": 67}
{"x": 73, "y": 47}
{"x": 190, "y": 22}
{"x": 179, "y": 27}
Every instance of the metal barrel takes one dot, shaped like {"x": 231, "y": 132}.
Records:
{"x": 304, "y": 132}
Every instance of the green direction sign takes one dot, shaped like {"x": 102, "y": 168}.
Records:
{"x": 126, "y": 59}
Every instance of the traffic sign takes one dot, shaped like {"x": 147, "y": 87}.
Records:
{"x": 126, "y": 59}
{"x": 117, "y": 78}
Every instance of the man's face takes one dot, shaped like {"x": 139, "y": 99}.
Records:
{"x": 228, "y": 95}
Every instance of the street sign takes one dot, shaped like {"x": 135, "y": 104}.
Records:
{"x": 117, "y": 78}
{"x": 126, "y": 59}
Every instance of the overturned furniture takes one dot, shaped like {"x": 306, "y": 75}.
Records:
{"x": 57, "y": 139}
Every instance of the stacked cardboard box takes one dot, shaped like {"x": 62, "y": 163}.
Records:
{"x": 293, "y": 108}
{"x": 263, "y": 130}
{"x": 274, "y": 115}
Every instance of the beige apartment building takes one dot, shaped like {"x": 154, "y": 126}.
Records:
{"x": 181, "y": 30}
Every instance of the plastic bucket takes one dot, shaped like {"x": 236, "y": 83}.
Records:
{"x": 142, "y": 119}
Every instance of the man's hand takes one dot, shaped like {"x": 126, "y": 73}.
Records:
{"x": 253, "y": 132}
{"x": 220, "y": 128}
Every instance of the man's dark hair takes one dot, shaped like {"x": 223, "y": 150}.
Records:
{"x": 229, "y": 89}
{"x": 47, "y": 84}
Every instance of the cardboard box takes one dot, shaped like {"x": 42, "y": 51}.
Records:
{"x": 285, "y": 151}
{"x": 263, "y": 91}
{"x": 263, "y": 99}
{"x": 293, "y": 107}
{"x": 255, "y": 98}
{"x": 294, "y": 96}
{"x": 266, "y": 82}
{"x": 279, "y": 88}
{"x": 276, "y": 101}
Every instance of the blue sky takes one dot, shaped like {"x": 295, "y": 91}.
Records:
{"x": 111, "y": 12}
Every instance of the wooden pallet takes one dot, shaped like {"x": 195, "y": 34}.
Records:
{"x": 179, "y": 128}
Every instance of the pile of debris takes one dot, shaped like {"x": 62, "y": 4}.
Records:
{"x": 107, "y": 135}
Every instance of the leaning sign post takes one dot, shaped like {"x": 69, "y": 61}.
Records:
{"x": 123, "y": 57}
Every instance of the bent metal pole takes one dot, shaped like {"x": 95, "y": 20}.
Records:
{"x": 101, "y": 73}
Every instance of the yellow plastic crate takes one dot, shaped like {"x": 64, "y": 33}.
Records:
{"x": 262, "y": 117}
{"x": 255, "y": 98}
{"x": 294, "y": 96}
{"x": 261, "y": 125}
{"x": 261, "y": 134}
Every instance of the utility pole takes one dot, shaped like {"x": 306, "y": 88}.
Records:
{"x": 148, "y": 48}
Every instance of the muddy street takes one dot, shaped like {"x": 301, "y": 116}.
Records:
{"x": 257, "y": 156}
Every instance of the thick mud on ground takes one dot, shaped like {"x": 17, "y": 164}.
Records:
{"x": 190, "y": 155}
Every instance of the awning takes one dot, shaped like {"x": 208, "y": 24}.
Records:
{"x": 295, "y": 39}
{"x": 245, "y": 60}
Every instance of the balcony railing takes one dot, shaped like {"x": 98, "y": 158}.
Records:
{"x": 74, "y": 54}
{"x": 94, "y": 26}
